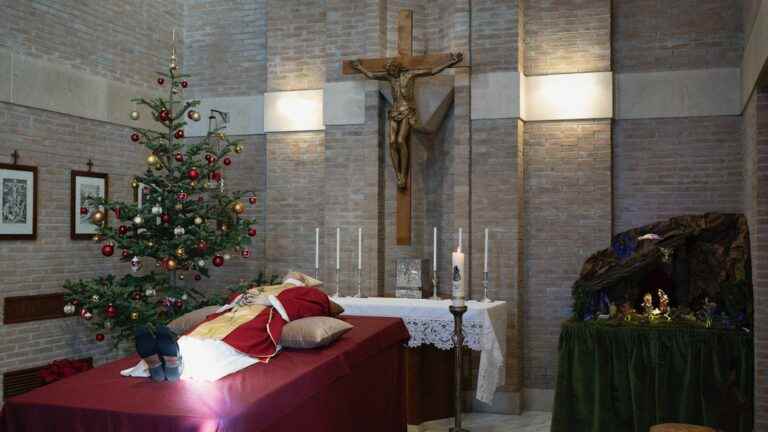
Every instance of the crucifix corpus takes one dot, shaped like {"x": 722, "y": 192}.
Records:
{"x": 401, "y": 73}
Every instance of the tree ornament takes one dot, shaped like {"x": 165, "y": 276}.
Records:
{"x": 179, "y": 134}
{"x": 178, "y": 206}
{"x": 69, "y": 308}
{"x": 96, "y": 238}
{"x": 193, "y": 115}
{"x": 198, "y": 220}
{"x": 125, "y": 253}
{"x": 156, "y": 209}
{"x": 108, "y": 324}
{"x": 95, "y": 298}
{"x": 218, "y": 260}
{"x": 170, "y": 264}
{"x": 136, "y": 264}
{"x": 152, "y": 159}
{"x": 135, "y": 115}
{"x": 181, "y": 277}
{"x": 246, "y": 253}
{"x": 180, "y": 252}
{"x": 99, "y": 337}
{"x": 220, "y": 135}
{"x": 134, "y": 316}
{"x": 164, "y": 115}
{"x": 193, "y": 174}
{"x": 202, "y": 246}
{"x": 184, "y": 84}
{"x": 134, "y": 184}
{"x": 227, "y": 161}
{"x": 122, "y": 230}
{"x": 198, "y": 277}
{"x": 138, "y": 220}
{"x": 107, "y": 250}
{"x": 238, "y": 149}
{"x": 135, "y": 137}
{"x": 136, "y": 295}
{"x": 150, "y": 292}
{"x": 179, "y": 231}
{"x": 238, "y": 207}
{"x": 150, "y": 243}
{"x": 83, "y": 211}
{"x": 224, "y": 227}
{"x": 178, "y": 303}
{"x": 118, "y": 212}
{"x": 84, "y": 314}
{"x": 175, "y": 91}
{"x": 184, "y": 297}
{"x": 252, "y": 200}
{"x": 227, "y": 257}
{"x": 98, "y": 216}
{"x": 110, "y": 311}
{"x": 179, "y": 157}
{"x": 216, "y": 176}
{"x": 182, "y": 196}
{"x": 252, "y": 232}
{"x": 201, "y": 263}
{"x": 160, "y": 81}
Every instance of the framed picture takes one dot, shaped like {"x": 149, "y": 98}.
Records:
{"x": 85, "y": 185}
{"x": 18, "y": 202}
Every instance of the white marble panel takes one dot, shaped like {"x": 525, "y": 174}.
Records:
{"x": 344, "y": 103}
{"x": 293, "y": 111}
{"x": 495, "y": 95}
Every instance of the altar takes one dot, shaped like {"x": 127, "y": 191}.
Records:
{"x": 430, "y": 323}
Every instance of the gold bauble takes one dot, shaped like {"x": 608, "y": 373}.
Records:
{"x": 238, "y": 149}
{"x": 135, "y": 115}
{"x": 171, "y": 264}
{"x": 238, "y": 208}
{"x": 194, "y": 115}
{"x": 134, "y": 183}
{"x": 180, "y": 252}
{"x": 198, "y": 220}
{"x": 98, "y": 217}
{"x": 134, "y": 316}
{"x": 220, "y": 135}
{"x": 193, "y": 183}
{"x": 150, "y": 243}
{"x": 152, "y": 159}
{"x": 96, "y": 238}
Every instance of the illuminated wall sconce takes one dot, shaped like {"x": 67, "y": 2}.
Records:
{"x": 293, "y": 111}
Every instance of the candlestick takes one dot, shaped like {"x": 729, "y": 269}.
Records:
{"x": 485, "y": 254}
{"x": 359, "y": 249}
{"x": 486, "y": 282}
{"x": 338, "y": 284}
{"x": 359, "y": 284}
{"x": 317, "y": 249}
{"x": 434, "y": 250}
{"x": 434, "y": 287}
{"x": 338, "y": 249}
{"x": 458, "y": 292}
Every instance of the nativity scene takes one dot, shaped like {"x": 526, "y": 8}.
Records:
{"x": 345, "y": 215}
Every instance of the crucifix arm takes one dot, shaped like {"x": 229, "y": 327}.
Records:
{"x": 455, "y": 59}
{"x": 358, "y": 66}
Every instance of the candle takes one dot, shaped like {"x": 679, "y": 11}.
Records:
{"x": 338, "y": 248}
{"x": 317, "y": 248}
{"x": 485, "y": 255}
{"x": 434, "y": 249}
{"x": 458, "y": 292}
{"x": 459, "y": 239}
{"x": 359, "y": 248}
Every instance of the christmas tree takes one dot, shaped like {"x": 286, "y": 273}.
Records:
{"x": 183, "y": 222}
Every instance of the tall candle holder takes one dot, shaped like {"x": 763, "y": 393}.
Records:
{"x": 317, "y": 273}
{"x": 338, "y": 284}
{"x": 434, "y": 287}
{"x": 359, "y": 284}
{"x": 486, "y": 282}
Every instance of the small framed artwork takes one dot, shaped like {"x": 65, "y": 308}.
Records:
{"x": 85, "y": 185}
{"x": 18, "y": 202}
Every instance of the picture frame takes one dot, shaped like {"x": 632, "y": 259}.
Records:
{"x": 85, "y": 184}
{"x": 18, "y": 202}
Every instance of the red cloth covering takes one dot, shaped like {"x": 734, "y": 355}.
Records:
{"x": 357, "y": 383}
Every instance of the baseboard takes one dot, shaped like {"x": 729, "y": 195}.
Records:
{"x": 509, "y": 403}
{"x": 538, "y": 399}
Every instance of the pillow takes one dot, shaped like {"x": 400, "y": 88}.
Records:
{"x": 190, "y": 320}
{"x": 336, "y": 309}
{"x": 313, "y": 332}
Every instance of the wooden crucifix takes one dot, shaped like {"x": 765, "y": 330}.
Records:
{"x": 401, "y": 72}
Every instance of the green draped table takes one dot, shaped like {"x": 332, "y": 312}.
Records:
{"x": 615, "y": 378}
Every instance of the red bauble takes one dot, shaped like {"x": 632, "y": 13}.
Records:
{"x": 179, "y": 134}
{"x": 117, "y": 212}
{"x": 251, "y": 232}
{"x": 83, "y": 211}
{"x": 107, "y": 250}
{"x": 202, "y": 246}
{"x": 161, "y": 81}
{"x": 246, "y": 253}
{"x": 164, "y": 115}
{"x": 99, "y": 337}
{"x": 193, "y": 174}
{"x": 184, "y": 84}
{"x": 122, "y": 230}
{"x": 252, "y": 200}
{"x": 218, "y": 260}
{"x": 178, "y": 303}
{"x": 179, "y": 157}
{"x": 126, "y": 254}
{"x": 165, "y": 218}
{"x": 198, "y": 277}
{"x": 135, "y": 137}
{"x": 216, "y": 176}
{"x": 182, "y": 196}
{"x": 227, "y": 161}
{"x": 111, "y": 311}
{"x": 136, "y": 295}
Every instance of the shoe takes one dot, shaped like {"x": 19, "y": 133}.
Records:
{"x": 146, "y": 346}
{"x": 168, "y": 349}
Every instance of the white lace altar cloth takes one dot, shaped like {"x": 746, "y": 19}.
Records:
{"x": 430, "y": 323}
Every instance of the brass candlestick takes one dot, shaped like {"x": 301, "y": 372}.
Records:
{"x": 434, "y": 287}
{"x": 486, "y": 282}
{"x": 338, "y": 284}
{"x": 359, "y": 284}
{"x": 458, "y": 344}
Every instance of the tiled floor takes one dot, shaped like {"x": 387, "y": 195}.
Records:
{"x": 528, "y": 422}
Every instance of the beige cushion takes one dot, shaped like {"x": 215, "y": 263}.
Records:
{"x": 679, "y": 427}
{"x": 190, "y": 320}
{"x": 313, "y": 332}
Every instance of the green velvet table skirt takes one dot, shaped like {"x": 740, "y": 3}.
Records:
{"x": 625, "y": 379}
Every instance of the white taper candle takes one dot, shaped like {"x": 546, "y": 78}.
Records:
{"x": 338, "y": 248}
{"x": 485, "y": 255}
{"x": 434, "y": 249}
{"x": 317, "y": 248}
{"x": 359, "y": 248}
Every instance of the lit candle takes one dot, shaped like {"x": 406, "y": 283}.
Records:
{"x": 434, "y": 249}
{"x": 338, "y": 248}
{"x": 458, "y": 292}
{"x": 317, "y": 248}
{"x": 485, "y": 255}
{"x": 359, "y": 248}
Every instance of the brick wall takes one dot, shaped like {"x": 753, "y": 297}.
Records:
{"x": 567, "y": 217}
{"x": 567, "y": 36}
{"x": 225, "y": 46}
{"x": 749, "y": 14}
{"x": 668, "y": 167}
{"x": 652, "y": 35}
{"x": 494, "y": 35}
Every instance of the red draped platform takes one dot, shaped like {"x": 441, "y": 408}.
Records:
{"x": 355, "y": 384}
